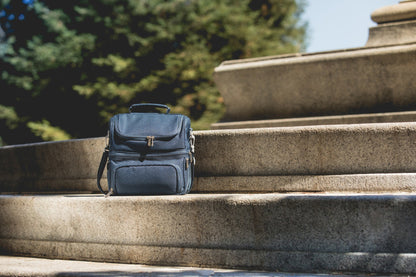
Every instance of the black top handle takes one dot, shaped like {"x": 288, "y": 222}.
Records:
{"x": 144, "y": 106}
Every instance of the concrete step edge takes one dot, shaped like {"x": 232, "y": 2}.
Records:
{"x": 285, "y": 232}
{"x": 11, "y": 266}
{"x": 407, "y": 116}
{"x": 347, "y": 183}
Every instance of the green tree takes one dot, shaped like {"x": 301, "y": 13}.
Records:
{"x": 70, "y": 65}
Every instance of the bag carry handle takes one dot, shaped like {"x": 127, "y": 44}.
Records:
{"x": 135, "y": 107}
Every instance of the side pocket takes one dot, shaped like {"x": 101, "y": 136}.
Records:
{"x": 135, "y": 178}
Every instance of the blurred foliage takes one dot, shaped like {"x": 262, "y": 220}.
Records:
{"x": 68, "y": 66}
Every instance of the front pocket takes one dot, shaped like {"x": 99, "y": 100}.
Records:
{"x": 139, "y": 132}
{"x": 146, "y": 179}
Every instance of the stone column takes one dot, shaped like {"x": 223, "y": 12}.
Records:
{"x": 396, "y": 25}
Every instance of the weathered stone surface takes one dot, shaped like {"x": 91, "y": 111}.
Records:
{"x": 406, "y": 10}
{"x": 312, "y": 150}
{"x": 332, "y": 83}
{"x": 409, "y": 116}
{"x": 292, "y": 159}
{"x": 376, "y": 183}
{"x": 392, "y": 34}
{"x": 52, "y": 166}
{"x": 24, "y": 267}
{"x": 284, "y": 232}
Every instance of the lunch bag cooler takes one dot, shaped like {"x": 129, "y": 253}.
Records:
{"x": 148, "y": 153}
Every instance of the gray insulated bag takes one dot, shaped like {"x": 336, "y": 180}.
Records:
{"x": 148, "y": 153}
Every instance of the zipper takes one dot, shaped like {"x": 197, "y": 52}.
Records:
{"x": 148, "y": 139}
{"x": 137, "y": 156}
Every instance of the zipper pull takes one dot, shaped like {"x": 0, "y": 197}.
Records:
{"x": 150, "y": 141}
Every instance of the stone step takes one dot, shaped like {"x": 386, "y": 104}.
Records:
{"x": 362, "y": 157}
{"x": 409, "y": 116}
{"x": 276, "y": 232}
{"x": 310, "y": 150}
{"x": 64, "y": 166}
{"x": 27, "y": 267}
{"x": 361, "y": 80}
{"x": 348, "y": 183}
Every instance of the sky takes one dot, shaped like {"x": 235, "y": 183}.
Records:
{"x": 340, "y": 24}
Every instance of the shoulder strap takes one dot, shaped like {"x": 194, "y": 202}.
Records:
{"x": 100, "y": 172}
